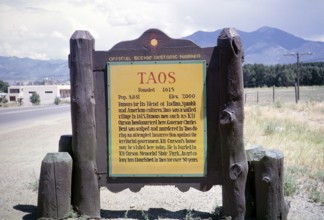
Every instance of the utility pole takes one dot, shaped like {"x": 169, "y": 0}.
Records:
{"x": 297, "y": 54}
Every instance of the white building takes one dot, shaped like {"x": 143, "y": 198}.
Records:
{"x": 47, "y": 93}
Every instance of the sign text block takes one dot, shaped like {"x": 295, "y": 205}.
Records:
{"x": 157, "y": 118}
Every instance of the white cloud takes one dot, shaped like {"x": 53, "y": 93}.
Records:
{"x": 42, "y": 29}
{"x": 58, "y": 35}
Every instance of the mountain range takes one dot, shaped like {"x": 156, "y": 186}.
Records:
{"x": 14, "y": 69}
{"x": 266, "y": 45}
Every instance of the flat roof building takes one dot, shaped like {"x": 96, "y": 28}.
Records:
{"x": 47, "y": 93}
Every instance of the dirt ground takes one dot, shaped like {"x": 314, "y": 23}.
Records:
{"x": 22, "y": 148}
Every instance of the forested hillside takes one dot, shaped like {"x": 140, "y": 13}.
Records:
{"x": 259, "y": 75}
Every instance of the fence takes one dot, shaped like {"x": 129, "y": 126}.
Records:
{"x": 266, "y": 96}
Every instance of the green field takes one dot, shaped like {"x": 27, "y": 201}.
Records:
{"x": 295, "y": 129}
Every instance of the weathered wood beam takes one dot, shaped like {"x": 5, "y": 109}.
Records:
{"x": 85, "y": 193}
{"x": 234, "y": 162}
{"x": 54, "y": 192}
{"x": 65, "y": 144}
{"x": 266, "y": 170}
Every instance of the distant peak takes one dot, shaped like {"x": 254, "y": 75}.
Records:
{"x": 266, "y": 29}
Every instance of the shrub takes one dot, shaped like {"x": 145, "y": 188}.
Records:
{"x": 316, "y": 195}
{"x": 3, "y": 100}
{"x": 35, "y": 99}
{"x": 278, "y": 104}
{"x": 290, "y": 184}
{"x": 57, "y": 101}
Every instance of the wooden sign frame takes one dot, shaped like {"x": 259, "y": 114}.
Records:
{"x": 226, "y": 160}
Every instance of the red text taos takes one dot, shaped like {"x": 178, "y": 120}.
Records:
{"x": 157, "y": 78}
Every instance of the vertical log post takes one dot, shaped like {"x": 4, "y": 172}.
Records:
{"x": 231, "y": 123}
{"x": 273, "y": 94}
{"x": 250, "y": 183}
{"x": 296, "y": 93}
{"x": 85, "y": 190}
{"x": 54, "y": 192}
{"x": 257, "y": 97}
{"x": 266, "y": 170}
{"x": 65, "y": 144}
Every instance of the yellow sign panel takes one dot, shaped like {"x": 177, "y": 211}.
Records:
{"x": 157, "y": 119}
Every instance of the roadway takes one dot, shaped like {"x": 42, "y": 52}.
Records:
{"x": 27, "y": 134}
{"x": 23, "y": 115}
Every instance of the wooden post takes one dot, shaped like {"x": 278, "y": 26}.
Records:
{"x": 54, "y": 193}
{"x": 273, "y": 94}
{"x": 234, "y": 162}
{"x": 257, "y": 97}
{"x": 85, "y": 190}
{"x": 266, "y": 172}
{"x": 65, "y": 144}
{"x": 296, "y": 93}
{"x": 250, "y": 191}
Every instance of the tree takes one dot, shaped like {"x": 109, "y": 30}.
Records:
{"x": 3, "y": 86}
{"x": 57, "y": 100}
{"x": 35, "y": 99}
{"x": 258, "y": 75}
{"x": 3, "y": 99}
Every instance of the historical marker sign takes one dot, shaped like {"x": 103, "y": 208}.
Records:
{"x": 150, "y": 105}
{"x": 157, "y": 118}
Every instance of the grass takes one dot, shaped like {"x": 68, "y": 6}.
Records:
{"x": 298, "y": 131}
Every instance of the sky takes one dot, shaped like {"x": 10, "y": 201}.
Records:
{"x": 41, "y": 29}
